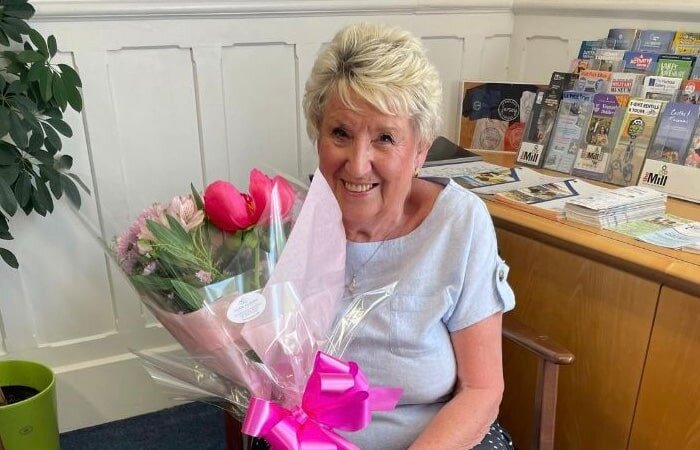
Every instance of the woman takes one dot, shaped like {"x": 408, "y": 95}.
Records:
{"x": 372, "y": 105}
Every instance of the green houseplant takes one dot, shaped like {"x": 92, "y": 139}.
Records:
{"x": 34, "y": 94}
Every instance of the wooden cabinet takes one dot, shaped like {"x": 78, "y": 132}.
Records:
{"x": 630, "y": 312}
{"x": 668, "y": 410}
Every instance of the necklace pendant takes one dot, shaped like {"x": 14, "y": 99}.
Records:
{"x": 353, "y": 284}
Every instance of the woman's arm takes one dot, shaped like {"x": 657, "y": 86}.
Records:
{"x": 464, "y": 421}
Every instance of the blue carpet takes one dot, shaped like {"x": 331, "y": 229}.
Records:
{"x": 193, "y": 426}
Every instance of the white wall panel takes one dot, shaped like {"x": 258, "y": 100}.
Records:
{"x": 493, "y": 59}
{"x": 260, "y": 97}
{"x": 446, "y": 54}
{"x": 156, "y": 119}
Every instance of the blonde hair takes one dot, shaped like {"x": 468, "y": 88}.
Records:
{"x": 385, "y": 66}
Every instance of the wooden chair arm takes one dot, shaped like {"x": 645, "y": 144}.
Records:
{"x": 542, "y": 345}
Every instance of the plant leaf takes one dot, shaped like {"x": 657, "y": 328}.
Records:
{"x": 8, "y": 154}
{"x": 30, "y": 56}
{"x": 20, "y": 9}
{"x": 17, "y": 131}
{"x": 45, "y": 82}
{"x": 5, "y": 235}
{"x": 56, "y": 187}
{"x": 80, "y": 182}
{"x": 53, "y": 48}
{"x": 8, "y": 202}
{"x": 64, "y": 162}
{"x": 59, "y": 125}
{"x": 39, "y": 207}
{"x": 4, "y": 40}
{"x": 43, "y": 195}
{"x": 59, "y": 91}
{"x": 71, "y": 190}
{"x": 36, "y": 70}
{"x": 75, "y": 100}
{"x": 9, "y": 173}
{"x": 69, "y": 75}
{"x": 9, "y": 258}
{"x": 18, "y": 24}
{"x": 4, "y": 121}
{"x": 39, "y": 42}
{"x": 53, "y": 138}
{"x": 23, "y": 188}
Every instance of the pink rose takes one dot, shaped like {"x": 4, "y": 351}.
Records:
{"x": 261, "y": 189}
{"x": 227, "y": 208}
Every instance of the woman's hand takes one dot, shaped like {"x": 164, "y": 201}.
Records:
{"x": 464, "y": 421}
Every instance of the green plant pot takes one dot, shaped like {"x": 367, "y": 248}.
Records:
{"x": 30, "y": 423}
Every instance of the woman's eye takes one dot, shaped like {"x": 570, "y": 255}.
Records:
{"x": 339, "y": 132}
{"x": 386, "y": 138}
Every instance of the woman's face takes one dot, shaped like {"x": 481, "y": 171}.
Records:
{"x": 368, "y": 159}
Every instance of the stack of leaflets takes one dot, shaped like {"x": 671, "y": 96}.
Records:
{"x": 666, "y": 231}
{"x": 487, "y": 178}
{"x": 616, "y": 206}
{"x": 547, "y": 200}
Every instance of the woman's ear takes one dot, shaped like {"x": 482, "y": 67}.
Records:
{"x": 422, "y": 153}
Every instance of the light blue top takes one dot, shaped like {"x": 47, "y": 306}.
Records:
{"x": 450, "y": 277}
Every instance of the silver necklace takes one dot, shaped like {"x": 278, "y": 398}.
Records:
{"x": 353, "y": 279}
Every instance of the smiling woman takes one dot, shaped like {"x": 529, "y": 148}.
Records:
{"x": 372, "y": 104}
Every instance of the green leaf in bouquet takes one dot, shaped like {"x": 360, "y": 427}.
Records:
{"x": 188, "y": 294}
{"x": 174, "y": 243}
{"x": 152, "y": 283}
{"x": 250, "y": 238}
{"x": 197, "y": 198}
{"x": 176, "y": 228}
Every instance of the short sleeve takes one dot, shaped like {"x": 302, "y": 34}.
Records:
{"x": 485, "y": 290}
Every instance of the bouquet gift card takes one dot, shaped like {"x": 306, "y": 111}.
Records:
{"x": 245, "y": 285}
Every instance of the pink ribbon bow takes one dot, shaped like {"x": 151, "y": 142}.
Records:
{"x": 337, "y": 396}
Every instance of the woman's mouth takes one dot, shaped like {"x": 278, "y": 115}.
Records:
{"x": 358, "y": 187}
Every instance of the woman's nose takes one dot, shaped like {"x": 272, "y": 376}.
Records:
{"x": 359, "y": 160}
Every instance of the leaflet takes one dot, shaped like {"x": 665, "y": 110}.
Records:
{"x": 687, "y": 234}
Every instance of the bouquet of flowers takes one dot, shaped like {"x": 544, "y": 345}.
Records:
{"x": 251, "y": 285}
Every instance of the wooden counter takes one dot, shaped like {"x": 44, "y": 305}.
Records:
{"x": 629, "y": 311}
